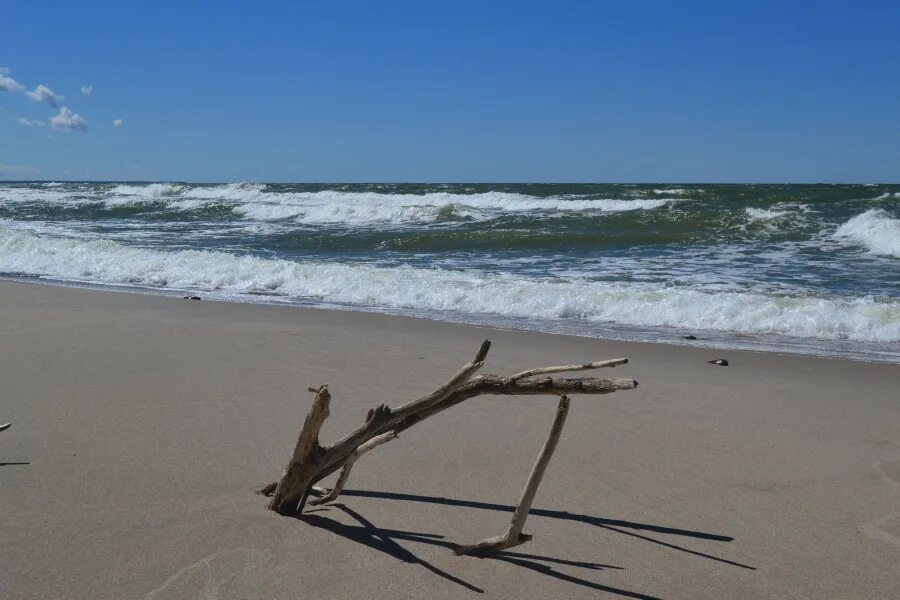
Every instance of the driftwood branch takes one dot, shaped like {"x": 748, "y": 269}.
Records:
{"x": 568, "y": 368}
{"x": 311, "y": 462}
{"x": 348, "y": 465}
{"x": 514, "y": 535}
{"x": 294, "y": 484}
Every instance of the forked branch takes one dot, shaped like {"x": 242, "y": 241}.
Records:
{"x": 348, "y": 465}
{"x": 311, "y": 462}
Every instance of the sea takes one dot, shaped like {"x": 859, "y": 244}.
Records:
{"x": 811, "y": 269}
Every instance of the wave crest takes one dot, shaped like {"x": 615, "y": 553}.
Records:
{"x": 259, "y": 202}
{"x": 874, "y": 229}
{"x": 636, "y": 304}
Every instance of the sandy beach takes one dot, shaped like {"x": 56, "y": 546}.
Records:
{"x": 141, "y": 426}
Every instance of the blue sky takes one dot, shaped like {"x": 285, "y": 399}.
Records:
{"x": 454, "y": 91}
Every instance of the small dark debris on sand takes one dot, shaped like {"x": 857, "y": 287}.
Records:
{"x": 719, "y": 361}
{"x": 192, "y": 298}
{"x": 690, "y": 337}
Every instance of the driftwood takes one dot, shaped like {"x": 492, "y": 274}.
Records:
{"x": 348, "y": 464}
{"x": 514, "y": 535}
{"x": 310, "y": 462}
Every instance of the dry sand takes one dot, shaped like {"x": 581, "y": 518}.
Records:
{"x": 145, "y": 424}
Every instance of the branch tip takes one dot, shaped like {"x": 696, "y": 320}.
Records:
{"x": 482, "y": 351}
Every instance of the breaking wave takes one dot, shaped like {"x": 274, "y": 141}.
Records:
{"x": 875, "y": 230}
{"x": 334, "y": 207}
{"x": 437, "y": 289}
{"x": 151, "y": 191}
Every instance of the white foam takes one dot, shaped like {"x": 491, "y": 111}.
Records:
{"x": 874, "y": 229}
{"x": 228, "y": 192}
{"x": 151, "y": 191}
{"x": 26, "y": 195}
{"x": 635, "y": 304}
{"x": 762, "y": 214}
{"x": 369, "y": 208}
{"x": 252, "y": 202}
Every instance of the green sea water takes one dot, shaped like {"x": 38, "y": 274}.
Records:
{"x": 806, "y": 268}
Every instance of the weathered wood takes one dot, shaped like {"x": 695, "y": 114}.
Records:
{"x": 5, "y": 426}
{"x": 292, "y": 488}
{"x": 564, "y": 368}
{"x": 310, "y": 462}
{"x": 348, "y": 465}
{"x": 334, "y": 456}
{"x": 514, "y": 535}
{"x": 383, "y": 417}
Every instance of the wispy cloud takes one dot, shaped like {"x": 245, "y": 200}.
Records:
{"x": 30, "y": 122}
{"x": 44, "y": 94}
{"x": 8, "y": 84}
{"x": 118, "y": 122}
{"x": 67, "y": 121}
{"x": 86, "y": 90}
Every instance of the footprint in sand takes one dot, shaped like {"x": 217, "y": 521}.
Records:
{"x": 887, "y": 528}
{"x": 207, "y": 578}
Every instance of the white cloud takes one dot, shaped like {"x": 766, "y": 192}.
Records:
{"x": 30, "y": 123}
{"x": 66, "y": 120}
{"x": 8, "y": 84}
{"x": 86, "y": 90}
{"x": 118, "y": 122}
{"x": 44, "y": 94}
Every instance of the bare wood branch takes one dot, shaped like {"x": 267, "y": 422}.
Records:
{"x": 477, "y": 386}
{"x": 514, "y": 535}
{"x": 348, "y": 465}
{"x": 333, "y": 457}
{"x": 311, "y": 463}
{"x": 291, "y": 490}
{"x": 380, "y": 422}
{"x": 564, "y": 368}
{"x": 5, "y": 426}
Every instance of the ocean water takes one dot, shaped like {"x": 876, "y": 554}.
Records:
{"x": 797, "y": 268}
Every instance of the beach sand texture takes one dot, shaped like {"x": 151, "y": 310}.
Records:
{"x": 144, "y": 424}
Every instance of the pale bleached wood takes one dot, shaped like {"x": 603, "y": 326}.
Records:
{"x": 565, "y": 368}
{"x": 514, "y": 535}
{"x": 316, "y": 462}
{"x": 5, "y": 426}
{"x": 348, "y": 465}
{"x": 293, "y": 486}
{"x": 380, "y": 419}
{"x": 383, "y": 419}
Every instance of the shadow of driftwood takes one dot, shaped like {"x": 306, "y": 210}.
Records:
{"x": 8, "y": 464}
{"x": 611, "y": 524}
{"x": 382, "y": 540}
{"x": 385, "y": 540}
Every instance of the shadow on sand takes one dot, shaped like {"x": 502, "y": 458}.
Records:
{"x": 386, "y": 540}
{"x": 611, "y": 524}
